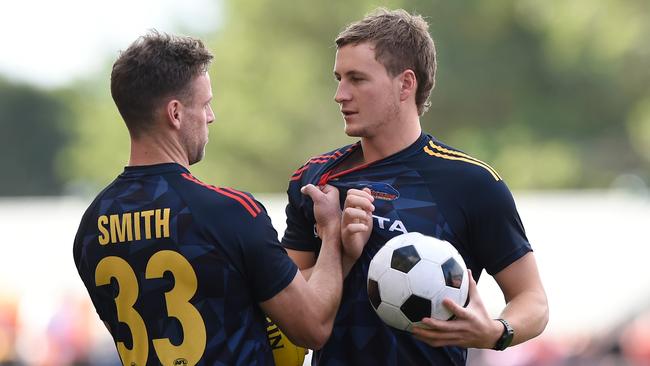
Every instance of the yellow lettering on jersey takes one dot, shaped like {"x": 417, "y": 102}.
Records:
{"x": 146, "y": 216}
{"x": 162, "y": 223}
{"x": 123, "y": 232}
{"x": 136, "y": 225}
{"x": 104, "y": 237}
{"x": 128, "y": 226}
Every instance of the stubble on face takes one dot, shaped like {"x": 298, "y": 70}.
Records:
{"x": 194, "y": 136}
{"x": 388, "y": 112}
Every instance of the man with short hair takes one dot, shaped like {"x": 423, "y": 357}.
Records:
{"x": 180, "y": 271}
{"x": 385, "y": 66}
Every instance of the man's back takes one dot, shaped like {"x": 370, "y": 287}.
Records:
{"x": 176, "y": 268}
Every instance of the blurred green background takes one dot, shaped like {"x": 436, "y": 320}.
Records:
{"x": 553, "y": 94}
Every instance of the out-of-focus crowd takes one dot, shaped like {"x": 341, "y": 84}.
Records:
{"x": 72, "y": 334}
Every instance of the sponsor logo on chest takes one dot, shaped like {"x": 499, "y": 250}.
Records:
{"x": 386, "y": 223}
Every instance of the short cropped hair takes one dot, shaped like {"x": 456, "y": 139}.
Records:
{"x": 154, "y": 67}
{"x": 401, "y": 41}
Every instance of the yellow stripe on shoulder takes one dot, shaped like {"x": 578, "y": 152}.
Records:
{"x": 459, "y": 156}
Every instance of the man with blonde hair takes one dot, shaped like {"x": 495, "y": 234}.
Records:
{"x": 385, "y": 66}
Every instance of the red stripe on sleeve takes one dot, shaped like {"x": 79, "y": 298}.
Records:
{"x": 245, "y": 196}
{"x": 237, "y": 198}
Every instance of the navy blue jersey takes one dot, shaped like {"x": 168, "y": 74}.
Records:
{"x": 176, "y": 268}
{"x": 429, "y": 188}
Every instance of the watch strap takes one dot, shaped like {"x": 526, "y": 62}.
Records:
{"x": 506, "y": 337}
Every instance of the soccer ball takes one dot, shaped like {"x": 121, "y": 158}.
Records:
{"x": 410, "y": 276}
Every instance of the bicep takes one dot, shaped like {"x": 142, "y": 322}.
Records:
{"x": 289, "y": 309}
{"x": 520, "y": 276}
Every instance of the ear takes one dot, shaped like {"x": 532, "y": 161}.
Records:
{"x": 408, "y": 85}
{"x": 173, "y": 113}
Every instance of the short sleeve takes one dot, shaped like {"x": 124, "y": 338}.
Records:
{"x": 497, "y": 235}
{"x": 267, "y": 266}
{"x": 245, "y": 233}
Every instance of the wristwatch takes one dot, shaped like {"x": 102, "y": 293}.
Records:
{"x": 506, "y": 337}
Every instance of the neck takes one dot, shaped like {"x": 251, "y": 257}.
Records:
{"x": 152, "y": 150}
{"x": 391, "y": 140}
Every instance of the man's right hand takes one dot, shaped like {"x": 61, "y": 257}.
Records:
{"x": 327, "y": 210}
{"x": 356, "y": 223}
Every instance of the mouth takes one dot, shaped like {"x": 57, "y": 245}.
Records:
{"x": 348, "y": 113}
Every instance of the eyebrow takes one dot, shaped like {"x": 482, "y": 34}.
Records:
{"x": 351, "y": 73}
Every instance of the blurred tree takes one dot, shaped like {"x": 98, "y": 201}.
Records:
{"x": 274, "y": 88}
{"x": 100, "y": 148}
{"x": 552, "y": 94}
{"x": 539, "y": 88}
{"x": 32, "y": 124}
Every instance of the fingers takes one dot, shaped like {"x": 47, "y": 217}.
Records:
{"x": 328, "y": 189}
{"x": 355, "y": 197}
{"x": 459, "y": 311}
{"x": 358, "y": 206}
{"x": 436, "y": 332}
{"x": 356, "y": 228}
{"x": 356, "y": 215}
{"x": 311, "y": 191}
{"x": 433, "y": 324}
{"x": 437, "y": 339}
{"x": 359, "y": 202}
{"x": 318, "y": 193}
{"x": 472, "y": 293}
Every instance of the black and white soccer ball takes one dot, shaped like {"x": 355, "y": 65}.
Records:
{"x": 410, "y": 276}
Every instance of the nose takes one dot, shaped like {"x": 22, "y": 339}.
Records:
{"x": 210, "y": 114}
{"x": 342, "y": 93}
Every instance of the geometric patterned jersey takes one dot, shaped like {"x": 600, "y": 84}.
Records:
{"x": 176, "y": 268}
{"x": 429, "y": 188}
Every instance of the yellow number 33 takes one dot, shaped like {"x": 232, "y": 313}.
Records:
{"x": 178, "y": 306}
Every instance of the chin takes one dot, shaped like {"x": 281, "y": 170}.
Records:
{"x": 198, "y": 157}
{"x": 355, "y": 132}
{"x": 351, "y": 130}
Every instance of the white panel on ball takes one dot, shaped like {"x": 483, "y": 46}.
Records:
{"x": 439, "y": 310}
{"x": 426, "y": 279}
{"x": 379, "y": 264}
{"x": 393, "y": 316}
{"x": 402, "y": 240}
{"x": 433, "y": 249}
{"x": 393, "y": 287}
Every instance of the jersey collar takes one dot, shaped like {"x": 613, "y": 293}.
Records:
{"x": 153, "y": 169}
{"x": 413, "y": 148}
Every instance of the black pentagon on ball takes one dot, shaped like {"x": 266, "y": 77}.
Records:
{"x": 453, "y": 273}
{"x": 404, "y": 258}
{"x": 373, "y": 293}
{"x": 415, "y": 308}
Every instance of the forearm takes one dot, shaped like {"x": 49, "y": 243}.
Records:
{"x": 347, "y": 262}
{"x": 527, "y": 314}
{"x": 306, "y": 273}
{"x": 346, "y": 265}
{"x": 326, "y": 278}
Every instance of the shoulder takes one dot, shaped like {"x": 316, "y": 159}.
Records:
{"x": 315, "y": 162}
{"x": 466, "y": 178}
{"x": 460, "y": 165}
{"x": 220, "y": 201}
